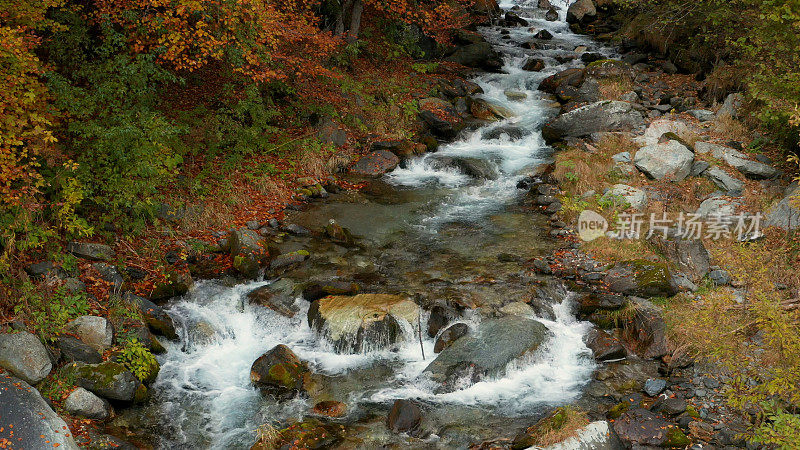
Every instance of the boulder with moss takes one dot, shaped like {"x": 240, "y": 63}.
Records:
{"x": 109, "y": 379}
{"x": 281, "y": 373}
{"x": 642, "y": 278}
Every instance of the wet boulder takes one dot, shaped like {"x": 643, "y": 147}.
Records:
{"x": 75, "y": 350}
{"x": 375, "y": 164}
{"x": 604, "y": 346}
{"x": 487, "y": 351}
{"x": 156, "y": 318}
{"x": 404, "y": 417}
{"x": 512, "y": 20}
{"x": 83, "y": 403}
{"x": 478, "y": 168}
{"x": 581, "y": 11}
{"x": 551, "y": 15}
{"x": 281, "y": 372}
{"x": 109, "y": 380}
{"x": 441, "y": 117}
{"x": 480, "y": 55}
{"x": 173, "y": 283}
{"x": 601, "y": 116}
{"x": 28, "y": 421}
{"x": 94, "y": 331}
{"x": 487, "y": 110}
{"x": 533, "y": 65}
{"x": 642, "y": 278}
{"x": 286, "y": 261}
{"x": 339, "y": 234}
{"x": 568, "y": 77}
{"x": 450, "y": 335}
{"x": 309, "y": 433}
{"x": 250, "y": 251}
{"x": 330, "y": 408}
{"x": 315, "y": 290}
{"x": 640, "y": 427}
{"x": 543, "y": 35}
{"x": 277, "y": 301}
{"x": 363, "y": 322}
{"x": 24, "y": 356}
{"x": 670, "y": 161}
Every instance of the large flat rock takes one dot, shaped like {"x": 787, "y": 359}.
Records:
{"x": 26, "y": 420}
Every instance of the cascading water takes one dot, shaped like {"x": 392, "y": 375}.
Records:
{"x": 203, "y": 392}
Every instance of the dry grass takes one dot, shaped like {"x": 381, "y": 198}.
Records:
{"x": 732, "y": 130}
{"x": 613, "y": 250}
{"x": 268, "y": 437}
{"x": 562, "y": 424}
{"x": 723, "y": 80}
{"x": 613, "y": 89}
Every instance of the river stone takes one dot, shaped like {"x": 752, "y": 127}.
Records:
{"x": 786, "y": 213}
{"x": 24, "y": 356}
{"x": 551, "y": 15}
{"x": 85, "y": 404}
{"x": 450, "y": 335}
{"x": 404, "y": 417}
{"x": 174, "y": 283}
{"x": 375, "y": 164}
{"x": 94, "y": 331}
{"x": 156, "y": 318}
{"x": 92, "y": 251}
{"x": 441, "y": 117}
{"x": 568, "y": 77}
{"x": 330, "y": 408}
{"x": 646, "y": 331}
{"x": 636, "y": 198}
{"x": 315, "y": 290}
{"x": 640, "y": 427}
{"x": 604, "y": 346}
{"x": 279, "y": 302}
{"x": 595, "y": 436}
{"x": 641, "y": 277}
{"x": 109, "y": 380}
{"x": 28, "y": 422}
{"x": 363, "y": 322}
{"x": 690, "y": 255}
{"x": 654, "y": 386}
{"x": 487, "y": 110}
{"x": 288, "y": 260}
{"x": 73, "y": 349}
{"x": 724, "y": 181}
{"x": 671, "y": 161}
{"x": 581, "y": 11}
{"x": 281, "y": 372}
{"x": 489, "y": 349}
{"x": 339, "y": 234}
{"x": 607, "y": 115}
{"x": 717, "y": 151}
{"x": 478, "y": 168}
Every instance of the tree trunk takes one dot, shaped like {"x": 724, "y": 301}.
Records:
{"x": 355, "y": 19}
{"x": 343, "y": 16}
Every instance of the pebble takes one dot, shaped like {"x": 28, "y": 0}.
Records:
{"x": 654, "y": 386}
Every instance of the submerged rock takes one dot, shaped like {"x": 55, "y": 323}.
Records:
{"x": 28, "y": 421}
{"x": 363, "y": 322}
{"x": 477, "y": 168}
{"x": 488, "y": 350}
{"x": 330, "y": 408}
{"x": 281, "y": 372}
{"x": 404, "y": 417}
{"x": 23, "y": 355}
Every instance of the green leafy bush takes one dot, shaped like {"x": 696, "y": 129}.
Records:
{"x": 138, "y": 359}
{"x": 50, "y": 311}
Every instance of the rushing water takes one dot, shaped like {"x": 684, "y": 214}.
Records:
{"x": 427, "y": 230}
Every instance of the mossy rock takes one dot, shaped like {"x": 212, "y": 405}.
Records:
{"x": 108, "y": 379}
{"x": 642, "y": 278}
{"x": 281, "y": 372}
{"x": 676, "y": 438}
{"x": 610, "y": 69}
{"x": 309, "y": 434}
{"x": 618, "y": 410}
{"x": 173, "y": 284}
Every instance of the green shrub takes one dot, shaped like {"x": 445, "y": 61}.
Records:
{"x": 138, "y": 359}
{"x": 48, "y": 312}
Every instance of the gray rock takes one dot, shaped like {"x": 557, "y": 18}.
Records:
{"x": 157, "y": 319}
{"x": 480, "y": 55}
{"x": 287, "y": 260}
{"x": 690, "y": 255}
{"x": 375, "y": 164}
{"x": 640, "y": 428}
{"x": 92, "y": 251}
{"x": 636, "y": 198}
{"x": 718, "y": 206}
{"x": 600, "y": 116}
{"x": 751, "y": 169}
{"x": 730, "y": 108}
{"x": 724, "y": 181}
{"x": 720, "y": 277}
{"x": 604, "y": 346}
{"x": 28, "y": 421}
{"x": 654, "y": 386}
{"x": 45, "y": 269}
{"x": 450, "y": 335}
{"x": 109, "y": 273}
{"x": 622, "y": 157}
{"x": 640, "y": 277}
{"x": 73, "y": 349}
{"x": 488, "y": 350}
{"x": 109, "y": 380}
{"x": 630, "y": 97}
{"x": 94, "y": 331}
{"x": 703, "y": 115}
{"x": 786, "y": 213}
{"x": 24, "y": 356}
{"x": 478, "y": 168}
{"x": 671, "y": 406}
{"x": 646, "y": 332}
{"x": 717, "y": 151}
{"x": 551, "y": 15}
{"x": 671, "y": 161}
{"x": 699, "y": 167}
{"x": 249, "y": 251}
{"x": 85, "y": 404}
